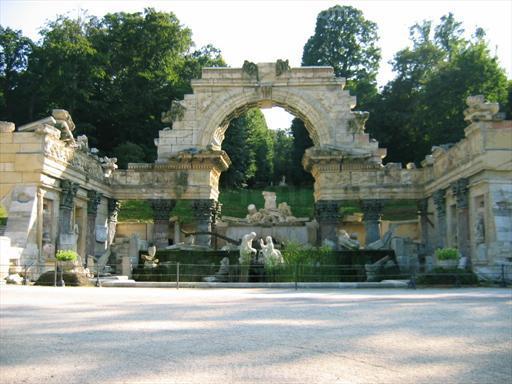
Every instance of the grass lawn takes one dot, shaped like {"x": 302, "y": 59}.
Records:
{"x": 235, "y": 202}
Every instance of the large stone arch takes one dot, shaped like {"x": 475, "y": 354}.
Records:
{"x": 300, "y": 105}
{"x": 312, "y": 93}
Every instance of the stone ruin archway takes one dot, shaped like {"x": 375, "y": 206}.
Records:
{"x": 345, "y": 163}
{"x": 313, "y": 94}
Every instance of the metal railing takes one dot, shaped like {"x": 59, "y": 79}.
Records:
{"x": 176, "y": 272}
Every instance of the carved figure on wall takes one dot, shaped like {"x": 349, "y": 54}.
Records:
{"x": 109, "y": 165}
{"x": 65, "y": 124}
{"x": 250, "y": 68}
{"x": 480, "y": 228}
{"x": 271, "y": 257}
{"x": 480, "y": 110}
{"x": 282, "y": 66}
{"x": 82, "y": 143}
{"x": 356, "y": 124}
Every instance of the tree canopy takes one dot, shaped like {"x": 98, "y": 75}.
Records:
{"x": 423, "y": 105}
{"x": 346, "y": 41}
{"x": 117, "y": 73}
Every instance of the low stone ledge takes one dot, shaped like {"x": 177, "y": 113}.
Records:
{"x": 156, "y": 284}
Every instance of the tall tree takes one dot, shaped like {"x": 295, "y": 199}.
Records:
{"x": 115, "y": 74}
{"x": 283, "y": 145}
{"x": 345, "y": 40}
{"x": 423, "y": 105}
{"x": 249, "y": 144}
{"x": 14, "y": 52}
{"x": 301, "y": 142}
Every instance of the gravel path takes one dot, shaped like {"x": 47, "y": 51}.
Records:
{"x": 127, "y": 335}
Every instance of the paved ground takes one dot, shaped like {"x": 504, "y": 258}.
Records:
{"x": 127, "y": 335}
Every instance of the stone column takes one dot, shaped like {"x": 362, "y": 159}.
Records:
{"x": 205, "y": 212}
{"x": 93, "y": 201}
{"x": 424, "y": 224}
{"x": 440, "y": 203}
{"x": 161, "y": 212}
{"x": 372, "y": 213}
{"x": 113, "y": 210}
{"x": 216, "y": 214}
{"x": 66, "y": 207}
{"x": 460, "y": 190}
{"x": 327, "y": 215}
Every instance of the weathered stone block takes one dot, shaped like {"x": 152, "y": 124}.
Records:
{"x": 31, "y": 147}
{"x": 28, "y": 162}
{"x": 11, "y": 177}
{"x": 8, "y": 148}
{"x": 6, "y": 167}
{"x": 26, "y": 138}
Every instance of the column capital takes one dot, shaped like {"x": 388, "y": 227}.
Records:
{"x": 162, "y": 208}
{"x": 460, "y": 190}
{"x": 69, "y": 190}
{"x": 93, "y": 201}
{"x": 440, "y": 201}
{"x": 206, "y": 209}
{"x": 327, "y": 210}
{"x": 372, "y": 209}
{"x": 422, "y": 205}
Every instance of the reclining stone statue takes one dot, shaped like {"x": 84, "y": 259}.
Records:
{"x": 347, "y": 242}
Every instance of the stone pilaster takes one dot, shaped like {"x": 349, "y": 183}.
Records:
{"x": 67, "y": 204}
{"x": 440, "y": 203}
{"x": 93, "y": 201}
{"x": 425, "y": 224}
{"x": 67, "y": 236}
{"x": 372, "y": 213}
{"x": 327, "y": 214}
{"x": 460, "y": 190}
{"x": 161, "y": 212}
{"x": 113, "y": 210}
{"x": 205, "y": 212}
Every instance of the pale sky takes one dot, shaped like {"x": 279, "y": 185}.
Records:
{"x": 265, "y": 30}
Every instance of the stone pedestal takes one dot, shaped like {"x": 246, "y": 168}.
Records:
{"x": 372, "y": 212}
{"x": 205, "y": 211}
{"x": 94, "y": 199}
{"x": 161, "y": 212}
{"x": 460, "y": 191}
{"x": 327, "y": 216}
{"x": 440, "y": 203}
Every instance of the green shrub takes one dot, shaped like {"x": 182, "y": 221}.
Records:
{"x": 447, "y": 254}
{"x": 70, "y": 278}
{"x": 66, "y": 255}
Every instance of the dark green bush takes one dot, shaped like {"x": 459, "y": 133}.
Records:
{"x": 70, "y": 278}
{"x": 441, "y": 276}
